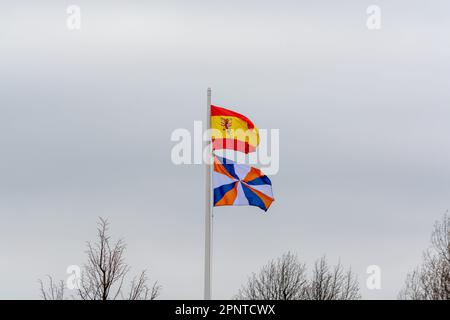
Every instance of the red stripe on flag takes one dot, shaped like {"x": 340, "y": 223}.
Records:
{"x": 218, "y": 111}
{"x": 233, "y": 144}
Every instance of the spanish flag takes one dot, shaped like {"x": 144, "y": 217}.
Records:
{"x": 233, "y": 131}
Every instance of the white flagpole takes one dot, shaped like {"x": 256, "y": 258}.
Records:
{"x": 208, "y": 207}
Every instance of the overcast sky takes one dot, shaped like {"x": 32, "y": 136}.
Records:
{"x": 86, "y": 118}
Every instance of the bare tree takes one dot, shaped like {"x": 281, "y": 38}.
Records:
{"x": 52, "y": 290}
{"x": 286, "y": 279}
{"x": 281, "y": 279}
{"x": 431, "y": 280}
{"x": 104, "y": 274}
{"x": 141, "y": 291}
{"x": 335, "y": 283}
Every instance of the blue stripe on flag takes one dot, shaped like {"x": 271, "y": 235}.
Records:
{"x": 230, "y": 170}
{"x": 252, "y": 198}
{"x": 219, "y": 192}
{"x": 259, "y": 181}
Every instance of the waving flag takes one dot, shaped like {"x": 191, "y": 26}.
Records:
{"x": 240, "y": 185}
{"x": 233, "y": 131}
{"x": 233, "y": 184}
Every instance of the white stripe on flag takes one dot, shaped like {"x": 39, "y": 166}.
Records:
{"x": 241, "y": 199}
{"x": 221, "y": 179}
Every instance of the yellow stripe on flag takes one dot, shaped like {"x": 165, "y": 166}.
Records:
{"x": 234, "y": 128}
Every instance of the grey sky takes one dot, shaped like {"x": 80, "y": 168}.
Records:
{"x": 86, "y": 118}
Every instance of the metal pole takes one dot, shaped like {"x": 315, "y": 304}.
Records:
{"x": 208, "y": 206}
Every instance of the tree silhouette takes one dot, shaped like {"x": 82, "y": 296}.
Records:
{"x": 431, "y": 280}
{"x": 286, "y": 279}
{"x": 104, "y": 274}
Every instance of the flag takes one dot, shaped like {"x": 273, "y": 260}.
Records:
{"x": 240, "y": 185}
{"x": 233, "y": 131}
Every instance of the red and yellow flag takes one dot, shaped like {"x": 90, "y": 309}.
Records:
{"x": 233, "y": 131}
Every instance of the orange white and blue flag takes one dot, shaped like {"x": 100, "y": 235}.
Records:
{"x": 233, "y": 131}
{"x": 240, "y": 185}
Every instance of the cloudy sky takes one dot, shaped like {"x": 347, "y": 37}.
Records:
{"x": 86, "y": 117}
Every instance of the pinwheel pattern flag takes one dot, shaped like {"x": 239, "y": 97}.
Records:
{"x": 240, "y": 185}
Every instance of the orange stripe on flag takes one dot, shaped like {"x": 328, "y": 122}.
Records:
{"x": 253, "y": 174}
{"x": 218, "y": 167}
{"x": 229, "y": 197}
{"x": 266, "y": 199}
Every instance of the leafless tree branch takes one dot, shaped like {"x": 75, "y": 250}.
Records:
{"x": 105, "y": 272}
{"x": 52, "y": 290}
{"x": 431, "y": 280}
{"x": 286, "y": 279}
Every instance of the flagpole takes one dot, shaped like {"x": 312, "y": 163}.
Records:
{"x": 208, "y": 206}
